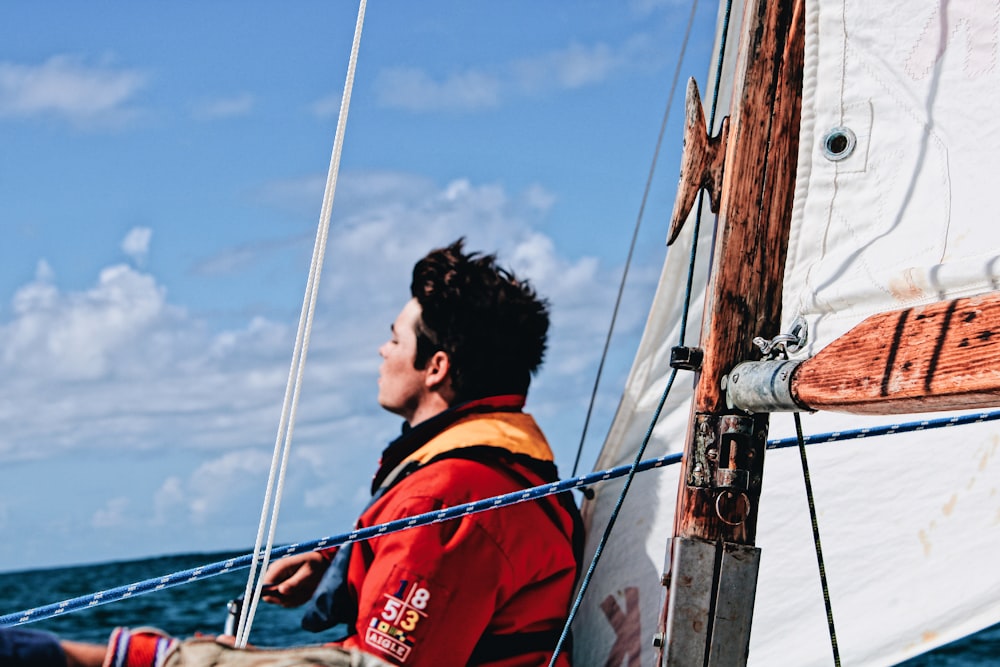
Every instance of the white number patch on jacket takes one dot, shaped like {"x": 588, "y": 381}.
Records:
{"x": 391, "y": 630}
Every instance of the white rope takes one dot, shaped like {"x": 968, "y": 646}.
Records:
{"x": 286, "y": 425}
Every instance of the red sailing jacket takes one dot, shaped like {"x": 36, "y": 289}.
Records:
{"x": 491, "y": 588}
{"x": 468, "y": 590}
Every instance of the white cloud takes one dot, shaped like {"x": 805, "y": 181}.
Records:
{"x": 120, "y": 365}
{"x": 243, "y": 257}
{"x": 323, "y": 497}
{"x": 169, "y": 496}
{"x": 260, "y": 333}
{"x": 327, "y": 106}
{"x": 539, "y": 198}
{"x": 415, "y": 90}
{"x": 136, "y": 243}
{"x": 117, "y": 369}
{"x": 112, "y": 514}
{"x": 645, "y": 7}
{"x": 213, "y": 489}
{"x": 225, "y": 107}
{"x": 300, "y": 195}
{"x": 572, "y": 67}
{"x": 214, "y": 483}
{"x": 67, "y": 87}
{"x": 79, "y": 336}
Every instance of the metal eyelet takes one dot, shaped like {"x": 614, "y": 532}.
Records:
{"x": 839, "y": 143}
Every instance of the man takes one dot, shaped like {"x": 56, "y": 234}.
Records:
{"x": 491, "y": 588}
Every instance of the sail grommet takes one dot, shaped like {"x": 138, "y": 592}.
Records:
{"x": 839, "y": 143}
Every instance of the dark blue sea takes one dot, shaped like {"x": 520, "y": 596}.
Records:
{"x": 200, "y": 606}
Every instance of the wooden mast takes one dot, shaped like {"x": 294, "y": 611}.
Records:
{"x": 713, "y": 563}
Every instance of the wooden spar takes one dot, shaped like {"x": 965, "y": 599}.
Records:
{"x": 744, "y": 295}
{"x": 713, "y": 564}
{"x": 941, "y": 356}
{"x": 945, "y": 356}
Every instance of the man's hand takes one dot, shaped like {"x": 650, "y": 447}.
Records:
{"x": 291, "y": 581}
{"x": 79, "y": 654}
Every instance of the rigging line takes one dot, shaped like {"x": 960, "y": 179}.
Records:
{"x": 635, "y": 234}
{"x": 718, "y": 65}
{"x": 692, "y": 257}
{"x": 486, "y": 504}
{"x": 605, "y": 538}
{"x": 238, "y": 562}
{"x": 286, "y": 424}
{"x": 892, "y": 429}
{"x": 816, "y": 541}
{"x": 716, "y": 86}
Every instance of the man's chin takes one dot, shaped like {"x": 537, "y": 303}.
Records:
{"x": 388, "y": 407}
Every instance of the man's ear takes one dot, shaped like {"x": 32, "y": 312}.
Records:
{"x": 437, "y": 372}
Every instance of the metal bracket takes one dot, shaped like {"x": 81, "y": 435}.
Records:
{"x": 766, "y": 386}
{"x": 686, "y": 358}
{"x": 762, "y": 386}
{"x": 711, "y": 606}
{"x": 720, "y": 445}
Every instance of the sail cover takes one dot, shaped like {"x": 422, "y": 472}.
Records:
{"x": 895, "y": 207}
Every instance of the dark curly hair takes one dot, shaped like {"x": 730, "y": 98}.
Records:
{"x": 492, "y": 326}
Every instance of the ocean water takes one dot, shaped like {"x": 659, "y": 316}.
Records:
{"x": 180, "y": 611}
{"x": 185, "y": 610}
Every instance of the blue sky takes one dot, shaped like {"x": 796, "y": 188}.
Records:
{"x": 160, "y": 184}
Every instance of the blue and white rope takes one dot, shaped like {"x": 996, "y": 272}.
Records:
{"x": 222, "y": 567}
{"x": 892, "y": 429}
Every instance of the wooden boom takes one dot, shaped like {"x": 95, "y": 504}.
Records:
{"x": 941, "y": 356}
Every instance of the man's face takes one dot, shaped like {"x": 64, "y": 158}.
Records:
{"x": 401, "y": 387}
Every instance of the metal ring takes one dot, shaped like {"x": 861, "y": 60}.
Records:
{"x": 718, "y": 509}
{"x": 839, "y": 143}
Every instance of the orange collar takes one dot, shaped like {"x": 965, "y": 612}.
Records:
{"x": 516, "y": 432}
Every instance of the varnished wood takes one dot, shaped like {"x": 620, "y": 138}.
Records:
{"x": 942, "y": 356}
{"x": 744, "y": 295}
{"x": 719, "y": 490}
{"x": 701, "y": 164}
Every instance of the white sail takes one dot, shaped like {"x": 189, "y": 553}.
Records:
{"x": 910, "y": 523}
